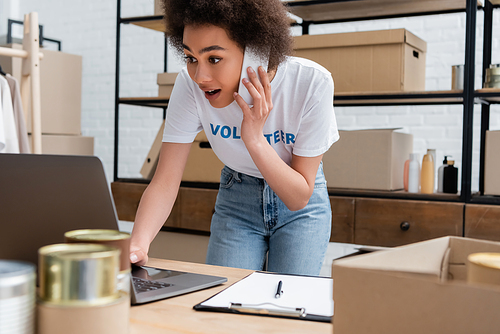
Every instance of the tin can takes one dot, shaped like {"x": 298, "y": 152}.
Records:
{"x": 483, "y": 268}
{"x": 113, "y": 238}
{"x": 78, "y": 274}
{"x": 492, "y": 79}
{"x": 110, "y": 318}
{"x": 457, "y": 77}
{"x": 17, "y": 297}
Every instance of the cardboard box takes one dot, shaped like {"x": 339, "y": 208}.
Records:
{"x": 417, "y": 288}
{"x": 368, "y": 159}
{"x": 67, "y": 145}
{"x": 202, "y": 164}
{"x": 158, "y": 8}
{"x": 60, "y": 90}
{"x": 166, "y": 83}
{"x": 149, "y": 166}
{"x": 492, "y": 163}
{"x": 371, "y": 61}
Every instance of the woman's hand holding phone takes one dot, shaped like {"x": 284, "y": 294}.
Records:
{"x": 255, "y": 117}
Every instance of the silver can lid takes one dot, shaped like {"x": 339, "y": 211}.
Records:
{"x": 12, "y": 268}
{"x": 17, "y": 278}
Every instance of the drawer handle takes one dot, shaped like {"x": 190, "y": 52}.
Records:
{"x": 405, "y": 226}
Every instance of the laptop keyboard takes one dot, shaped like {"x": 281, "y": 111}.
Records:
{"x": 143, "y": 285}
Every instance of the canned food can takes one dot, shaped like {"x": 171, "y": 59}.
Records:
{"x": 492, "y": 76}
{"x": 78, "y": 274}
{"x": 110, "y": 318}
{"x": 113, "y": 238}
{"x": 483, "y": 268}
{"x": 457, "y": 77}
{"x": 17, "y": 297}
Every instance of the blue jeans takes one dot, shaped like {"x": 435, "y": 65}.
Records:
{"x": 250, "y": 221}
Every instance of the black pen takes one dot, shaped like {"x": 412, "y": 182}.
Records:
{"x": 278, "y": 291}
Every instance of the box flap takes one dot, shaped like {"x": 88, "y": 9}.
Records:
{"x": 421, "y": 258}
{"x": 166, "y": 78}
{"x": 377, "y": 37}
{"x": 463, "y": 247}
{"x": 415, "y": 41}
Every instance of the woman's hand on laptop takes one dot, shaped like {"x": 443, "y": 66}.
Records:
{"x": 138, "y": 256}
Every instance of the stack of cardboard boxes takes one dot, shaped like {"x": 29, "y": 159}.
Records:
{"x": 61, "y": 100}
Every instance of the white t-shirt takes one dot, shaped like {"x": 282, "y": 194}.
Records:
{"x": 302, "y": 121}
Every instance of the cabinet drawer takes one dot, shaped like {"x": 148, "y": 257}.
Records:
{"x": 127, "y": 196}
{"x": 196, "y": 208}
{"x": 482, "y": 222}
{"x": 342, "y": 219}
{"x": 383, "y": 222}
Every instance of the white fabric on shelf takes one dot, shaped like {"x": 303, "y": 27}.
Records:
{"x": 9, "y": 124}
{"x": 17, "y": 105}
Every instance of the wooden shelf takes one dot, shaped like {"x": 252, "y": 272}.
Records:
{"x": 157, "y": 23}
{"x": 398, "y": 98}
{"x": 398, "y": 194}
{"x": 338, "y": 11}
{"x": 484, "y": 199}
{"x": 491, "y": 95}
{"x": 347, "y": 99}
{"x": 150, "y": 22}
{"x": 155, "y": 101}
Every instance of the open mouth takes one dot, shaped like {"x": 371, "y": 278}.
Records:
{"x": 212, "y": 92}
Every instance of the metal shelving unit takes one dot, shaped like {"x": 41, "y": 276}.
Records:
{"x": 314, "y": 12}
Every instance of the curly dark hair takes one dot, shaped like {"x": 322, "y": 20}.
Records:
{"x": 257, "y": 24}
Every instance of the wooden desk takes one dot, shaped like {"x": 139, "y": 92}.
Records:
{"x": 176, "y": 315}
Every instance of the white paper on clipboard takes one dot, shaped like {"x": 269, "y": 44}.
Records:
{"x": 314, "y": 294}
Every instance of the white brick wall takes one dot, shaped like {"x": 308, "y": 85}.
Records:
{"x": 88, "y": 28}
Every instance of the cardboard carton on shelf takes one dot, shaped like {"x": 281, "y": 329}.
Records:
{"x": 60, "y": 90}
{"x": 368, "y": 159}
{"x": 67, "y": 144}
{"x": 149, "y": 166}
{"x": 492, "y": 163}
{"x": 158, "y": 8}
{"x": 166, "y": 83}
{"x": 202, "y": 164}
{"x": 417, "y": 288}
{"x": 369, "y": 61}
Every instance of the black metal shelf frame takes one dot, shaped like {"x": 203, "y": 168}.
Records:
{"x": 119, "y": 22}
{"x": 467, "y": 98}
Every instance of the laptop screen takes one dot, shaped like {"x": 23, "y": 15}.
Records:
{"x": 44, "y": 196}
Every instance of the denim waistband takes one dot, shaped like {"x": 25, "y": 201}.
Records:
{"x": 238, "y": 176}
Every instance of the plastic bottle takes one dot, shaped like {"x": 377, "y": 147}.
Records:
{"x": 432, "y": 151}
{"x": 427, "y": 175}
{"x": 414, "y": 174}
{"x": 450, "y": 178}
{"x": 405, "y": 174}
{"x": 440, "y": 174}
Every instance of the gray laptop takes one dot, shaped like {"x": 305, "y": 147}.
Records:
{"x": 43, "y": 196}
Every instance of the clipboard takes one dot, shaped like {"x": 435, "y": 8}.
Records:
{"x": 302, "y": 297}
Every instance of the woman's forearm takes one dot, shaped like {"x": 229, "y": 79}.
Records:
{"x": 160, "y": 195}
{"x": 293, "y": 184}
{"x": 154, "y": 208}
